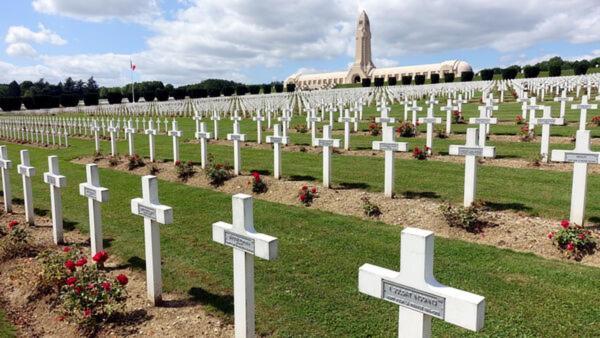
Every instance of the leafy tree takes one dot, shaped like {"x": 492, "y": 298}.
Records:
{"x": 510, "y": 73}
{"x": 10, "y": 103}
{"x": 267, "y": 88}
{"x": 69, "y": 100}
{"x": 531, "y": 71}
{"x": 487, "y": 74}
{"x": 406, "y": 79}
{"x": 169, "y": 88}
{"x": 91, "y": 86}
{"x": 467, "y": 76}
{"x": 435, "y": 78}
{"x": 179, "y": 93}
{"x": 228, "y": 91}
{"x": 554, "y": 69}
{"x": 448, "y": 77}
{"x": 13, "y": 89}
{"x": 392, "y": 81}
{"x": 378, "y": 82}
{"x": 581, "y": 67}
{"x": 241, "y": 90}
{"x": 162, "y": 94}
{"x": 366, "y": 82}
{"x": 278, "y": 87}
{"x": 290, "y": 87}
{"x": 69, "y": 86}
{"x": 419, "y": 79}
{"x": 149, "y": 95}
{"x": 25, "y": 87}
{"x": 90, "y": 99}
{"x": 254, "y": 89}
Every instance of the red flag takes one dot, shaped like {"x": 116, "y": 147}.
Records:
{"x": 131, "y": 65}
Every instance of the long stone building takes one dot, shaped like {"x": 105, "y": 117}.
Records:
{"x": 363, "y": 66}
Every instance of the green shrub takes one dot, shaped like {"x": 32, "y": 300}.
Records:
{"x": 487, "y": 74}
{"x": 10, "y": 103}
{"x": 573, "y": 240}
{"x": 185, "y": 171}
{"x": 69, "y": 100}
{"x": 392, "y": 81}
{"x": 419, "y": 79}
{"x": 461, "y": 217}
{"x": 217, "y": 173}
{"x": 467, "y": 76}
{"x": 531, "y": 71}
{"x": 90, "y": 99}
{"x": 435, "y": 78}
{"x": 554, "y": 70}
{"x": 162, "y": 95}
{"x": 114, "y": 97}
{"x": 149, "y": 95}
{"x": 448, "y": 77}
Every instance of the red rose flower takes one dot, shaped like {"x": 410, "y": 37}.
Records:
{"x": 106, "y": 286}
{"x": 304, "y": 187}
{"x": 12, "y": 224}
{"x": 302, "y": 197}
{"x": 314, "y": 190}
{"x": 122, "y": 279}
{"x": 70, "y": 265}
{"x": 87, "y": 313}
{"x": 71, "y": 280}
{"x": 581, "y": 237}
{"x": 177, "y": 163}
{"x": 570, "y": 247}
{"x": 100, "y": 257}
{"x": 551, "y": 235}
{"x": 81, "y": 262}
{"x": 564, "y": 223}
{"x": 77, "y": 290}
{"x": 66, "y": 249}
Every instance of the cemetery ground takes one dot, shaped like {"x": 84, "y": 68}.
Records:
{"x": 311, "y": 289}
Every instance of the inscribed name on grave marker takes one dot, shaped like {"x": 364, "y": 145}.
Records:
{"x": 466, "y": 151}
{"x": 239, "y": 241}
{"x": 581, "y": 158}
{"x": 413, "y": 299}
{"x": 147, "y": 212}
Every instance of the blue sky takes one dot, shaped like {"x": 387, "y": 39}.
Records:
{"x": 186, "y": 41}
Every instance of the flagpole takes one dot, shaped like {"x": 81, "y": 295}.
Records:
{"x": 132, "y": 83}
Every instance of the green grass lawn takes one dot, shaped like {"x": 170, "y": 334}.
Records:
{"x": 6, "y": 329}
{"x": 311, "y": 290}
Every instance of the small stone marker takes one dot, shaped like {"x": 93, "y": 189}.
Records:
{"x": 236, "y": 137}
{"x": 346, "y": 119}
{"x": 27, "y": 171}
{"x": 151, "y": 132}
{"x": 546, "y": 120}
{"x": 471, "y": 150}
{"x": 389, "y": 146}
{"x": 175, "y": 133}
{"x": 583, "y": 108}
{"x": 246, "y": 243}
{"x": 95, "y": 195}
{"x": 418, "y": 294}
{"x": 202, "y": 135}
{"x": 581, "y": 156}
{"x": 130, "y": 132}
{"x": 430, "y": 120}
{"x": 56, "y": 181}
{"x": 277, "y": 141}
{"x": 327, "y": 143}
{"x": 5, "y": 165}
{"x": 154, "y": 214}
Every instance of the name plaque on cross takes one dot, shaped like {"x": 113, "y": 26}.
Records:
{"x": 429, "y": 120}
{"x": 239, "y": 241}
{"x": 389, "y": 146}
{"x": 50, "y": 180}
{"x": 546, "y": 121}
{"x": 147, "y": 212}
{"x": 325, "y": 143}
{"x": 234, "y": 137}
{"x": 413, "y": 299}
{"x": 581, "y": 158}
{"x": 91, "y": 193}
{"x": 482, "y": 120}
{"x": 385, "y": 120}
{"x": 276, "y": 139}
{"x": 467, "y": 151}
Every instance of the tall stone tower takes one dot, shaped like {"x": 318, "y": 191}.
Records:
{"x": 363, "y": 64}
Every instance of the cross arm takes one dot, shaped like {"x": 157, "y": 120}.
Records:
{"x": 472, "y": 151}
{"x": 319, "y": 142}
{"x": 58, "y": 181}
{"x": 260, "y": 245}
{"x": 157, "y": 212}
{"x": 390, "y": 146}
{"x": 96, "y": 193}
{"x": 236, "y": 137}
{"x": 200, "y": 134}
{"x": 430, "y": 120}
{"x": 277, "y": 139}
{"x": 560, "y": 155}
{"x": 176, "y": 133}
{"x": 486, "y": 120}
{"x": 25, "y": 170}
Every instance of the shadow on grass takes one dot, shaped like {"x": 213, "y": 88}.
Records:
{"x": 263, "y": 172}
{"x": 40, "y": 212}
{"x": 302, "y": 178}
{"x": 136, "y": 262}
{"x": 353, "y": 185}
{"x": 130, "y": 319}
{"x": 420, "y": 194}
{"x": 506, "y": 156}
{"x": 495, "y": 206}
{"x": 69, "y": 225}
{"x": 223, "y": 303}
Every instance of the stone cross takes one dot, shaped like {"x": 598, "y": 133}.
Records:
{"x": 285, "y": 122}
{"x": 581, "y": 156}
{"x": 56, "y": 181}
{"x": 471, "y": 150}
{"x": 95, "y": 128}
{"x": 154, "y": 214}
{"x": 215, "y": 118}
{"x": 5, "y": 165}
{"x": 546, "y": 120}
{"x": 277, "y": 139}
{"x": 460, "y": 102}
{"x": 151, "y": 132}
{"x": 312, "y": 120}
{"x": 418, "y": 294}
{"x": 346, "y": 119}
{"x": 113, "y": 140}
{"x": 414, "y": 109}
{"x": 533, "y": 107}
{"x": 384, "y": 119}
{"x": 175, "y": 133}
{"x": 95, "y": 195}
{"x": 483, "y": 121}
{"x": 246, "y": 243}
{"x": 431, "y": 102}
{"x": 327, "y": 143}
{"x": 130, "y": 132}
{"x": 583, "y": 108}
{"x": 202, "y": 135}
{"x": 563, "y": 99}
{"x": 259, "y": 119}
{"x": 389, "y": 146}
{"x": 448, "y": 108}
{"x": 236, "y": 137}
{"x": 523, "y": 100}
{"x": 430, "y": 120}
{"x": 27, "y": 171}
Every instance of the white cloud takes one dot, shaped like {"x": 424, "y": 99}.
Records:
{"x": 21, "y": 49}
{"x": 99, "y": 10}
{"x": 20, "y": 38}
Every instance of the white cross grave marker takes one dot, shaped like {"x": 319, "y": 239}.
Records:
{"x": 113, "y": 140}
{"x": 448, "y": 108}
{"x": 151, "y": 132}
{"x": 6, "y": 164}
{"x": 27, "y": 171}
{"x": 471, "y": 150}
{"x": 533, "y": 107}
{"x": 346, "y": 119}
{"x": 215, "y": 118}
{"x": 583, "y": 108}
{"x": 327, "y": 143}
{"x": 259, "y": 119}
{"x": 389, "y": 146}
{"x": 175, "y": 133}
{"x": 414, "y": 109}
{"x": 130, "y": 132}
{"x": 546, "y": 120}
{"x": 95, "y": 128}
{"x": 384, "y": 119}
{"x": 277, "y": 141}
{"x": 483, "y": 121}
{"x": 236, "y": 137}
{"x": 154, "y": 214}
{"x": 581, "y": 156}
{"x": 202, "y": 135}
{"x": 312, "y": 119}
{"x": 563, "y": 99}
{"x": 418, "y": 294}
{"x": 56, "y": 181}
{"x": 430, "y": 120}
{"x": 95, "y": 195}
{"x": 246, "y": 243}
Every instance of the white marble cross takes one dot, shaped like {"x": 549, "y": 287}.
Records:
{"x": 327, "y": 143}
{"x": 95, "y": 195}
{"x": 5, "y": 165}
{"x": 259, "y": 119}
{"x": 581, "y": 156}
{"x": 113, "y": 140}
{"x": 285, "y": 121}
{"x": 546, "y": 120}
{"x": 202, "y": 135}
{"x": 130, "y": 132}
{"x": 533, "y": 107}
{"x": 27, "y": 171}
{"x": 215, "y": 118}
{"x": 95, "y": 128}
{"x": 236, "y": 137}
{"x": 277, "y": 139}
{"x": 414, "y": 109}
{"x": 563, "y": 99}
{"x": 154, "y": 214}
{"x": 583, "y": 108}
{"x": 246, "y": 243}
{"x": 471, "y": 150}
{"x": 384, "y": 119}
{"x": 483, "y": 121}
{"x": 151, "y": 132}
{"x": 459, "y": 102}
{"x": 346, "y": 119}
{"x": 430, "y": 120}
{"x": 431, "y": 102}
{"x": 175, "y": 133}
{"x": 418, "y": 294}
{"x": 56, "y": 181}
{"x": 389, "y": 146}
{"x": 524, "y": 100}
{"x": 312, "y": 121}
{"x": 448, "y": 108}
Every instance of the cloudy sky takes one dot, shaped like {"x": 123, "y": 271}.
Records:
{"x": 185, "y": 41}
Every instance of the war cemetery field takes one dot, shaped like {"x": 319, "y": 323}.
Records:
{"x": 532, "y": 287}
